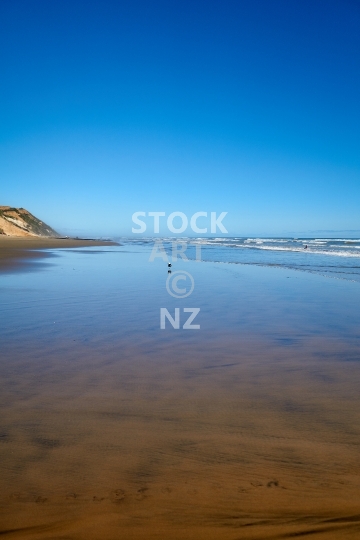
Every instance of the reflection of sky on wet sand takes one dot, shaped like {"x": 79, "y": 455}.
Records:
{"x": 117, "y": 294}
{"x": 111, "y": 425}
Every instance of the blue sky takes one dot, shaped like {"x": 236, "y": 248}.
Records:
{"x": 108, "y": 108}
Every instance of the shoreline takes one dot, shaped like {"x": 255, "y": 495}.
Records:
{"x": 248, "y": 429}
{"x": 17, "y": 252}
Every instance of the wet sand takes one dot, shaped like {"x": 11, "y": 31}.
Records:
{"x": 257, "y": 443}
{"x": 18, "y": 252}
{"x": 169, "y": 435}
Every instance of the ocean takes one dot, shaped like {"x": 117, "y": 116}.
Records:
{"x": 337, "y": 258}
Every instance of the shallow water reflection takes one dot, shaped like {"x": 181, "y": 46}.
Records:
{"x": 112, "y": 426}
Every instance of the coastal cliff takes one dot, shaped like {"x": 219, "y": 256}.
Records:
{"x": 20, "y": 222}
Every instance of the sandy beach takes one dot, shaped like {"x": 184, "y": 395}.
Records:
{"x": 193, "y": 373}
{"x": 107, "y": 436}
{"x": 17, "y": 252}
{"x": 138, "y": 449}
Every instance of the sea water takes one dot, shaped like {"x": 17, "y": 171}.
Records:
{"x": 335, "y": 258}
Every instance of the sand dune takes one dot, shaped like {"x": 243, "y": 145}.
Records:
{"x": 20, "y": 222}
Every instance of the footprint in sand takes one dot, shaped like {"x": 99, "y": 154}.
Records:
{"x": 98, "y": 499}
{"x": 141, "y": 494}
{"x": 117, "y": 496}
{"x": 40, "y": 499}
{"x": 71, "y": 496}
{"x": 273, "y": 483}
{"x": 256, "y": 484}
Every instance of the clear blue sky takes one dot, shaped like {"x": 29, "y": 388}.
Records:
{"x": 250, "y": 107}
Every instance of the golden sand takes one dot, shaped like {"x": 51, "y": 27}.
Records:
{"x": 261, "y": 442}
{"x": 16, "y": 252}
